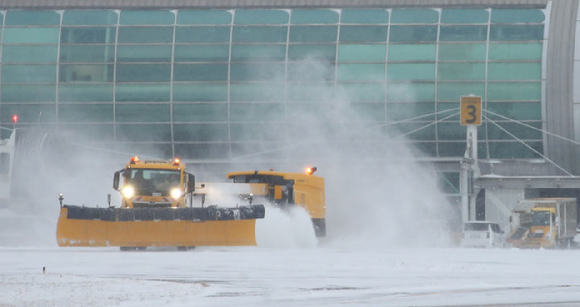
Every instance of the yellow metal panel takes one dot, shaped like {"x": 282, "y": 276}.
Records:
{"x": 75, "y": 232}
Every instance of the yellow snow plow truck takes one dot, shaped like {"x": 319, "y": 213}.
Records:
{"x": 154, "y": 212}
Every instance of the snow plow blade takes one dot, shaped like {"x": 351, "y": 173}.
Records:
{"x": 142, "y": 227}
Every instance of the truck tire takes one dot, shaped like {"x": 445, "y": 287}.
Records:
{"x": 319, "y": 227}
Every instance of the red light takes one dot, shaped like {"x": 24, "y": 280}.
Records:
{"x": 134, "y": 159}
{"x": 15, "y": 118}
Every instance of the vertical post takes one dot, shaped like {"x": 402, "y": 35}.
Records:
{"x": 470, "y": 117}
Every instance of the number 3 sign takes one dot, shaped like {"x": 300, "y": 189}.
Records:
{"x": 470, "y": 110}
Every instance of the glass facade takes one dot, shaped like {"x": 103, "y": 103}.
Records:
{"x": 222, "y": 84}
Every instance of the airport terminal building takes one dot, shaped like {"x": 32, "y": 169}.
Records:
{"x": 215, "y": 82}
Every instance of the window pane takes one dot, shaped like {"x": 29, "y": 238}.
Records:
{"x": 202, "y": 151}
{"x": 91, "y": 132}
{"x": 516, "y": 33}
{"x": 361, "y": 71}
{"x": 296, "y": 113}
{"x": 519, "y": 131}
{"x": 200, "y": 92}
{"x": 85, "y": 113}
{"x": 422, "y": 71}
{"x": 364, "y": 92}
{"x": 202, "y": 34}
{"x": 202, "y": 53}
{"x": 257, "y": 92}
{"x": 147, "y": 18}
{"x": 414, "y": 16}
{"x": 408, "y": 92}
{"x": 200, "y": 112}
{"x": 313, "y": 33}
{"x": 143, "y": 72}
{"x": 363, "y": 33}
{"x": 29, "y": 73}
{"x": 260, "y": 34}
{"x": 307, "y": 51}
{"x": 142, "y": 53}
{"x": 310, "y": 91}
{"x": 314, "y": 16}
{"x": 144, "y": 132}
{"x": 85, "y": 92}
{"x": 508, "y": 150}
{"x": 516, "y": 16}
{"x": 82, "y": 53}
{"x": 200, "y": 72}
{"x": 414, "y": 131}
{"x": 461, "y": 71}
{"x": 452, "y": 149}
{"x": 26, "y": 18}
{"x": 86, "y": 73}
{"x": 514, "y": 91}
{"x": 142, "y": 113}
{"x": 100, "y": 35}
{"x": 364, "y": 16}
{"x": 29, "y": 54}
{"x": 413, "y": 33}
{"x": 257, "y": 132}
{"x": 145, "y": 34}
{"x": 516, "y": 110}
{"x": 454, "y": 91}
{"x": 515, "y": 71}
{"x": 256, "y": 72}
{"x": 28, "y": 113}
{"x": 462, "y": 51}
{"x": 200, "y": 132}
{"x": 142, "y": 92}
{"x": 463, "y": 33}
{"x": 191, "y": 17}
{"x": 422, "y": 52}
{"x": 464, "y": 16}
{"x": 258, "y": 52}
{"x": 513, "y": 51}
{"x": 406, "y": 110}
{"x": 31, "y": 35}
{"x": 363, "y": 53}
{"x": 89, "y": 18}
{"x": 450, "y": 131}
{"x": 261, "y": 17}
{"x": 256, "y": 112}
{"x": 28, "y": 93}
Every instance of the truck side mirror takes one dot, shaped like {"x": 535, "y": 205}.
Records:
{"x": 116, "y": 180}
{"x": 190, "y": 183}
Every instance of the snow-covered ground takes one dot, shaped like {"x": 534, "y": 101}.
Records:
{"x": 289, "y": 267}
{"x": 257, "y": 276}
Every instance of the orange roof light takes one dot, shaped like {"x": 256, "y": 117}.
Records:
{"x": 310, "y": 170}
{"x": 176, "y": 161}
{"x": 134, "y": 159}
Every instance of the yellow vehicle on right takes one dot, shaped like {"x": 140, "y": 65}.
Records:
{"x": 290, "y": 189}
{"x": 544, "y": 223}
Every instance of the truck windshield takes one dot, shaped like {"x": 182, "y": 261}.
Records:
{"x": 540, "y": 218}
{"x": 153, "y": 181}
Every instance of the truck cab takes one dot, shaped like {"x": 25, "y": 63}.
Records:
{"x": 542, "y": 227}
{"x": 154, "y": 184}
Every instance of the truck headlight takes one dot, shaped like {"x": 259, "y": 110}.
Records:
{"x": 128, "y": 192}
{"x": 175, "y": 193}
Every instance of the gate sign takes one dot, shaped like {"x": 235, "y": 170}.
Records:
{"x": 470, "y": 110}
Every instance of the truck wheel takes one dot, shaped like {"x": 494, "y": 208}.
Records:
{"x": 127, "y": 248}
{"x": 185, "y": 248}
